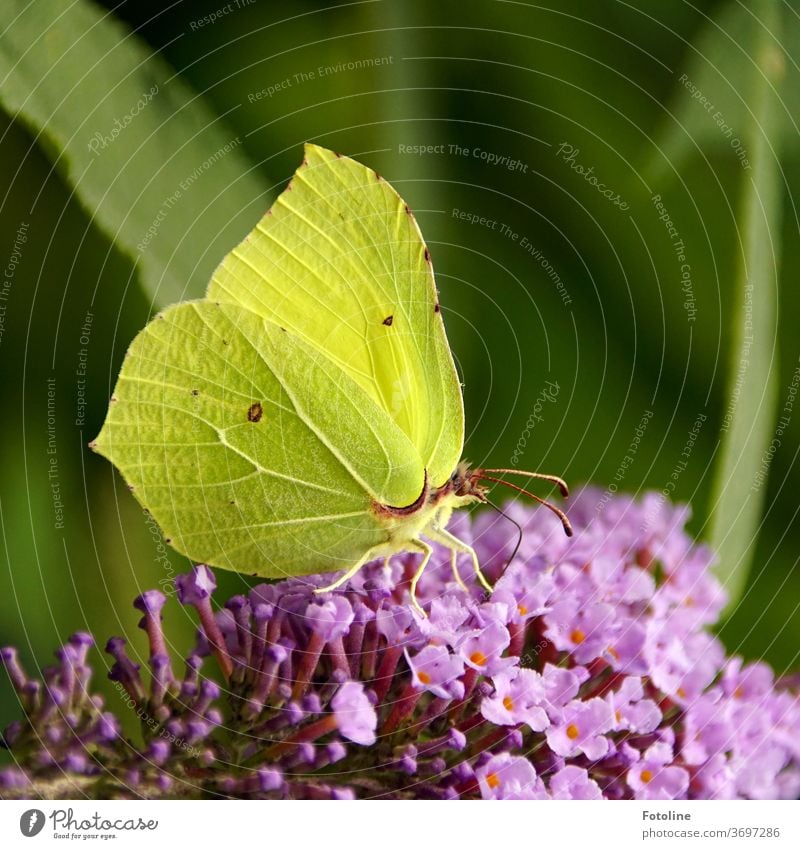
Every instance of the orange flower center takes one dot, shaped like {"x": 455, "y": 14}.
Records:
{"x": 573, "y": 731}
{"x": 508, "y": 704}
{"x": 613, "y": 652}
{"x": 478, "y": 658}
{"x": 522, "y": 609}
{"x": 492, "y": 780}
{"x": 577, "y": 636}
{"x": 647, "y": 776}
{"x": 681, "y": 692}
{"x": 424, "y": 677}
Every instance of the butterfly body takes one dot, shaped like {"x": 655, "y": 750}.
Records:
{"x": 431, "y": 512}
{"x": 306, "y": 416}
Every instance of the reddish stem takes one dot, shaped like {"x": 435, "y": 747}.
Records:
{"x": 308, "y": 663}
{"x": 402, "y": 709}
{"x": 215, "y": 637}
{"x": 339, "y": 656}
{"x": 386, "y": 669}
{"x": 517, "y": 644}
{"x": 303, "y": 735}
{"x": 369, "y": 657}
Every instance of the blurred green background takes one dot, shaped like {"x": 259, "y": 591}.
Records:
{"x": 565, "y": 286}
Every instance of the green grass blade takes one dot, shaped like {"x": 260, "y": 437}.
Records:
{"x": 748, "y": 422}
{"x": 156, "y": 169}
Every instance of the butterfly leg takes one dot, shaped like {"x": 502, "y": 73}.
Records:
{"x": 455, "y": 545}
{"x": 438, "y": 524}
{"x": 454, "y": 567}
{"x": 351, "y": 572}
{"x": 427, "y": 551}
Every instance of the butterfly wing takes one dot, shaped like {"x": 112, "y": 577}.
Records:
{"x": 340, "y": 263}
{"x": 251, "y": 450}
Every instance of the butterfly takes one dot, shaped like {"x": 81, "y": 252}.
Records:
{"x": 306, "y": 415}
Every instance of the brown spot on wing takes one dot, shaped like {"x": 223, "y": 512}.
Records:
{"x": 255, "y": 412}
{"x": 427, "y": 255}
{"x": 388, "y": 320}
{"x": 436, "y": 307}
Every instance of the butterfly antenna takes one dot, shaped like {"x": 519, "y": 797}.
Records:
{"x": 561, "y": 484}
{"x": 519, "y": 531}
{"x": 560, "y": 513}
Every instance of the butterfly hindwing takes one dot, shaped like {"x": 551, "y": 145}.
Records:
{"x": 231, "y": 465}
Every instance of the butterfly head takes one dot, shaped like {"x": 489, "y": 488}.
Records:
{"x": 465, "y": 483}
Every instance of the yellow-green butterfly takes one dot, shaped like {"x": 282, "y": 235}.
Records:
{"x": 306, "y": 415}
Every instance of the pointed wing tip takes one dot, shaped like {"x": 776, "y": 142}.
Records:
{"x": 98, "y": 447}
{"x": 95, "y": 444}
{"x": 100, "y": 444}
{"x": 318, "y": 152}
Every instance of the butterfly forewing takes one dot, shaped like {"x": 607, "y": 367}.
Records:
{"x": 339, "y": 261}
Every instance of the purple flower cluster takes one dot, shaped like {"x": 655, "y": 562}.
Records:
{"x": 587, "y": 673}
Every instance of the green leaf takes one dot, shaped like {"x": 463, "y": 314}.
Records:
{"x": 159, "y": 173}
{"x": 711, "y": 107}
{"x": 747, "y": 427}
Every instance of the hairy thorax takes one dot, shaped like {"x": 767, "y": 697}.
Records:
{"x": 432, "y": 509}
